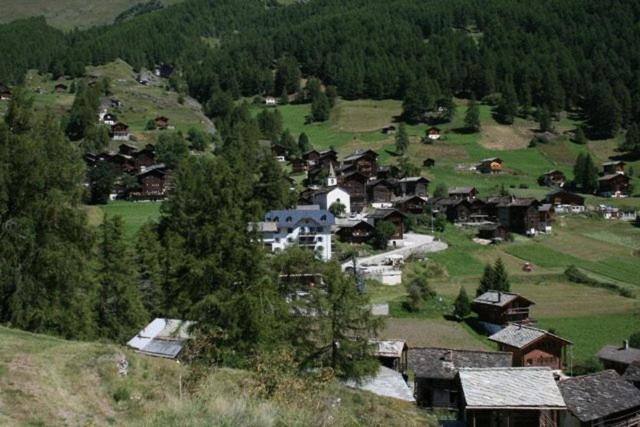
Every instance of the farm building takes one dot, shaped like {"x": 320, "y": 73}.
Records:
{"x": 435, "y": 370}
{"x": 433, "y": 133}
{"x": 365, "y": 162}
{"x": 600, "y": 399}
{"x": 546, "y": 211}
{"x": 120, "y": 132}
{"x": 615, "y": 185}
{"x": 619, "y": 358}
{"x": 354, "y": 231}
{"x": 355, "y": 184}
{"x": 614, "y": 167}
{"x": 466, "y": 193}
{"x": 565, "y": 201}
{"x": 494, "y": 232}
{"x": 392, "y": 354}
{"x": 161, "y": 122}
{"x": 460, "y": 210}
{"x": 412, "y": 186}
{"x": 162, "y": 338}
{"x": 380, "y": 191}
{"x": 502, "y": 308}
{"x": 153, "y": 183}
{"x": 518, "y": 215}
{"x": 410, "y": 204}
{"x": 532, "y": 346}
{"x": 61, "y": 88}
{"x": 553, "y": 178}
{"x": 393, "y": 216}
{"x": 522, "y": 397}
{"x": 389, "y": 130}
{"x": 491, "y": 165}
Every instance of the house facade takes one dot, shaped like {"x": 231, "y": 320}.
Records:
{"x": 493, "y": 165}
{"x": 355, "y": 231}
{"x": 502, "y": 308}
{"x": 412, "y": 186}
{"x": 120, "y": 132}
{"x": 328, "y": 196}
{"x": 532, "y": 346}
{"x": 615, "y": 185}
{"x": 392, "y": 216}
{"x": 619, "y": 358}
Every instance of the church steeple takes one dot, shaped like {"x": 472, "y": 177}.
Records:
{"x": 332, "y": 181}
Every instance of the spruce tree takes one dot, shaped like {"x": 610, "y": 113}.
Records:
{"x": 579, "y": 137}
{"x": 304, "y": 144}
{"x": 320, "y": 108}
{"x": 120, "y": 310}
{"x": 462, "y": 305}
{"x": 501, "y": 279}
{"x": 402, "y": 139}
{"x": 487, "y": 281}
{"x": 508, "y": 106}
{"x": 631, "y": 141}
{"x": 472, "y": 117}
{"x": 148, "y": 256}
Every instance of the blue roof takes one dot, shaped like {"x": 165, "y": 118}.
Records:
{"x": 288, "y": 217}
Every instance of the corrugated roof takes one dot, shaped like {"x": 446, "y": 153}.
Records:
{"x": 520, "y": 336}
{"x": 387, "y": 383}
{"x": 443, "y": 363}
{"x": 532, "y": 387}
{"x": 591, "y": 397}
{"x": 623, "y": 354}
{"x": 162, "y": 337}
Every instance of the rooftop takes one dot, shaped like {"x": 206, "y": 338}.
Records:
{"x": 520, "y": 336}
{"x": 387, "y": 383}
{"x": 498, "y": 298}
{"x": 612, "y": 176}
{"x": 591, "y": 397}
{"x": 162, "y": 337}
{"x": 389, "y": 348}
{"x": 461, "y": 190}
{"x": 444, "y": 363}
{"x": 518, "y": 388}
{"x": 382, "y": 213}
{"x": 633, "y": 372}
{"x": 263, "y": 227}
{"x": 291, "y": 217}
{"x": 620, "y": 354}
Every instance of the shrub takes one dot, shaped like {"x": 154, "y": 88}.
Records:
{"x": 576, "y": 276}
{"x": 121, "y": 394}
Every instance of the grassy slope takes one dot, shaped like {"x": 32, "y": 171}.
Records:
{"x": 49, "y": 381}
{"x": 69, "y": 14}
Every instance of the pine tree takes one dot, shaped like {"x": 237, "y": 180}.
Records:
{"x": 590, "y": 177}
{"x": 320, "y": 108}
{"x": 303, "y": 143}
{"x": 579, "y": 170}
{"x": 19, "y": 115}
{"x": 273, "y": 188}
{"x": 631, "y": 141}
{"x": 580, "y": 137}
{"x": 101, "y": 181}
{"x": 501, "y": 279}
{"x": 287, "y": 141}
{"x": 472, "y": 117}
{"x": 402, "y": 139}
{"x": 420, "y": 98}
{"x": 508, "y": 106}
{"x": 462, "y": 305}
{"x": 544, "y": 119}
{"x": 120, "y": 309}
{"x": 172, "y": 149}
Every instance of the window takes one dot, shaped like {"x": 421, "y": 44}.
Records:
{"x": 289, "y": 230}
{"x": 323, "y": 218}
{"x": 289, "y": 219}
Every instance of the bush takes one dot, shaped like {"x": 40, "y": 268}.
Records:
{"x": 634, "y": 340}
{"x": 589, "y": 366}
{"x": 576, "y": 276}
{"x": 121, "y": 394}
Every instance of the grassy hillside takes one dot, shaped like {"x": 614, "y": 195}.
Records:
{"x": 49, "y": 381}
{"x": 69, "y": 14}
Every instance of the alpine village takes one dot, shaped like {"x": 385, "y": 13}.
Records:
{"x": 320, "y": 213}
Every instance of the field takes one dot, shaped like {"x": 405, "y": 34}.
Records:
{"x": 68, "y": 14}
{"x": 77, "y": 383}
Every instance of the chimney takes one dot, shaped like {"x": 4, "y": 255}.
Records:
{"x": 625, "y": 345}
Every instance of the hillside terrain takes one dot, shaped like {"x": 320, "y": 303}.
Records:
{"x": 69, "y": 14}
{"x": 78, "y": 383}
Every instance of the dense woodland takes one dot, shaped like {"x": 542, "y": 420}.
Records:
{"x": 552, "y": 53}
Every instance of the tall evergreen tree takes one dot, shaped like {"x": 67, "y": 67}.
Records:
{"x": 472, "y": 117}
{"x": 320, "y": 108}
{"x": 148, "y": 259}
{"x": 501, "y": 278}
{"x": 304, "y": 144}
{"x": 462, "y": 305}
{"x": 508, "y": 106}
{"x": 487, "y": 280}
{"x": 402, "y": 139}
{"x": 631, "y": 141}
{"x": 120, "y": 309}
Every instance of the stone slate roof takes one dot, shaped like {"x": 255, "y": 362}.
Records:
{"x": 531, "y": 387}
{"x": 617, "y": 354}
{"x": 389, "y": 348}
{"x": 461, "y": 190}
{"x": 633, "y": 372}
{"x": 496, "y": 298}
{"x": 383, "y": 213}
{"x": 520, "y": 336}
{"x": 387, "y": 383}
{"x": 612, "y": 176}
{"x": 443, "y": 363}
{"x": 591, "y": 397}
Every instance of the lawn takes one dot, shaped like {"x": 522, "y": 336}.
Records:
{"x": 433, "y": 333}
{"x": 589, "y": 334}
{"x": 134, "y": 214}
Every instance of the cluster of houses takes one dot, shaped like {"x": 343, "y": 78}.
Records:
{"x": 612, "y": 182}
{"x": 522, "y": 383}
{"x": 153, "y": 178}
{"x": 119, "y": 131}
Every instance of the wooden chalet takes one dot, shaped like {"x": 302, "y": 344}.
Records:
{"x": 565, "y": 198}
{"x": 393, "y": 216}
{"x": 502, "y": 308}
{"x": 466, "y": 193}
{"x": 127, "y": 149}
{"x": 124, "y": 163}
{"x": 553, "y": 178}
{"x": 153, "y": 184}
{"x": 613, "y": 167}
{"x": 161, "y": 122}
{"x": 619, "y": 358}
{"x": 532, "y": 346}
{"x": 505, "y": 397}
{"x": 355, "y": 184}
{"x": 389, "y": 130}
{"x": 435, "y": 371}
{"x": 278, "y": 150}
{"x": 428, "y": 163}
{"x": 120, "y": 132}
{"x": 355, "y": 232}
{"x": 460, "y": 210}
{"x": 365, "y": 162}
{"x": 614, "y": 185}
{"x": 600, "y": 399}
{"x": 491, "y": 165}
{"x": 61, "y": 88}
{"x": 320, "y": 159}
{"x": 519, "y": 215}
{"x": 298, "y": 165}
{"x": 546, "y": 212}
{"x": 144, "y": 158}
{"x": 410, "y": 204}
{"x": 380, "y": 191}
{"x": 433, "y": 133}
{"x": 109, "y": 119}
{"x": 412, "y": 186}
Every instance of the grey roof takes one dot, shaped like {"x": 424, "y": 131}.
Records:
{"x": 632, "y": 373}
{"x": 389, "y": 348}
{"x": 382, "y": 213}
{"x": 162, "y": 337}
{"x": 490, "y": 159}
{"x": 288, "y": 217}
{"x": 613, "y": 353}
{"x": 443, "y": 363}
{"x": 461, "y": 190}
{"x": 611, "y": 176}
{"x": 263, "y": 227}
{"x": 387, "y": 383}
{"x": 158, "y": 167}
{"x": 591, "y": 397}
{"x": 413, "y": 179}
{"x": 359, "y": 154}
{"x": 613, "y": 163}
{"x": 497, "y": 298}
{"x": 531, "y": 387}
{"x": 520, "y": 336}
{"x": 545, "y": 207}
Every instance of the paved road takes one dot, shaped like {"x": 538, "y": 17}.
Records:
{"x": 413, "y": 244}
